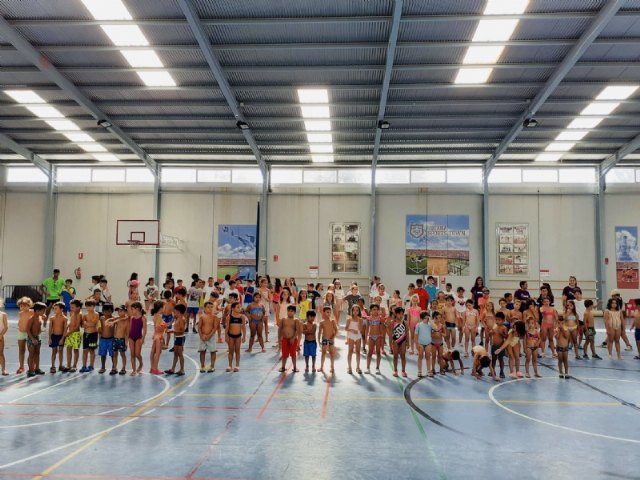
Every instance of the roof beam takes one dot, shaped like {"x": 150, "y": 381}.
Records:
{"x": 612, "y": 160}
{"x": 46, "y": 67}
{"x": 471, "y": 17}
{"x": 586, "y": 39}
{"x": 216, "y": 69}
{"x": 37, "y": 160}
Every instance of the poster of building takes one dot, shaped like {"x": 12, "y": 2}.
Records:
{"x": 345, "y": 247}
{"x": 437, "y": 245}
{"x": 627, "y": 257}
{"x": 513, "y": 248}
{"x": 237, "y": 251}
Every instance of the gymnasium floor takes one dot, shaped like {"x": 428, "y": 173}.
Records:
{"x": 262, "y": 424}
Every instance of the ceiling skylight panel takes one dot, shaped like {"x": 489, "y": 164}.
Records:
{"x": 473, "y": 75}
{"x": 107, "y": 9}
{"x": 105, "y": 157}
{"x": 79, "y": 137}
{"x": 125, "y": 35}
{"x": 158, "y": 78}
{"x": 560, "y": 146}
{"x": 44, "y": 111}
{"x": 569, "y": 135}
{"x": 92, "y": 147}
{"x": 585, "y": 123}
{"x": 617, "y": 92}
{"x": 482, "y": 54}
{"x": 600, "y": 108}
{"x": 142, "y": 58}
{"x": 494, "y": 30}
{"x": 25, "y": 96}
{"x": 319, "y": 138}
{"x": 321, "y": 148}
{"x": 505, "y": 7}
{"x": 315, "y": 111}
{"x": 317, "y": 125}
{"x": 322, "y": 158}
{"x": 62, "y": 125}
{"x": 313, "y": 95}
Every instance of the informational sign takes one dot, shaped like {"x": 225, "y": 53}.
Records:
{"x": 627, "y": 257}
{"x": 513, "y": 248}
{"x": 437, "y": 245}
{"x": 237, "y": 251}
{"x": 345, "y": 247}
{"x": 313, "y": 271}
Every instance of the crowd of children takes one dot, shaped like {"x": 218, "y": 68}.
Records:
{"x": 440, "y": 327}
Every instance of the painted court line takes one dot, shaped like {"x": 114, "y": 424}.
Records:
{"x": 283, "y": 377}
{"x": 325, "y": 402}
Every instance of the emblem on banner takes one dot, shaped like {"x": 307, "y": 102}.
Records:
{"x": 416, "y": 230}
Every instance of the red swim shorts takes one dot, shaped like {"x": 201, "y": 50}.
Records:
{"x": 289, "y": 348}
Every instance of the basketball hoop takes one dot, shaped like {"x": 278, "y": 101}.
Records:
{"x": 134, "y": 244}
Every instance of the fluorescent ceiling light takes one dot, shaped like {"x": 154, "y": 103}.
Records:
{"x": 25, "y": 96}
{"x": 105, "y": 157}
{"x": 549, "y": 157}
{"x": 494, "y": 30}
{"x": 482, "y": 54}
{"x": 505, "y": 7}
{"x": 473, "y": 75}
{"x": 64, "y": 125}
{"x": 157, "y": 79}
{"x": 600, "y": 108}
{"x": 107, "y": 9}
{"x": 322, "y": 148}
{"x": 569, "y": 135}
{"x": 315, "y": 95}
{"x": 559, "y": 147}
{"x": 317, "y": 125}
{"x": 322, "y": 158}
{"x": 319, "y": 137}
{"x": 125, "y": 35}
{"x": 585, "y": 123}
{"x": 616, "y": 92}
{"x": 79, "y": 137}
{"x": 315, "y": 111}
{"x": 92, "y": 147}
{"x": 44, "y": 111}
{"x": 142, "y": 58}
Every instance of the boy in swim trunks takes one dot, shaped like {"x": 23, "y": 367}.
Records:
{"x": 289, "y": 332}
{"x": 57, "y": 330}
{"x": 327, "y": 333}
{"x": 90, "y": 337}
{"x": 178, "y": 330}
{"x": 105, "y": 345}
{"x": 73, "y": 336}
{"x": 310, "y": 343}
{"x": 448, "y": 359}
{"x": 589, "y": 331}
{"x": 167, "y": 315}
{"x": 24, "y": 304}
{"x": 4, "y": 326}
{"x": 34, "y": 328}
{"x": 498, "y": 335}
{"x": 208, "y": 325}
{"x": 120, "y": 336}
{"x": 450, "y": 317}
{"x": 562, "y": 349}
{"x": 481, "y": 361}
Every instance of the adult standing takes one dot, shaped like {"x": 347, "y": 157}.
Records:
{"x": 476, "y": 291}
{"x": 569, "y": 292}
{"x": 52, "y": 288}
{"x": 522, "y": 294}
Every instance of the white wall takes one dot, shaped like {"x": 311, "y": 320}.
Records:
{"x": 391, "y": 225}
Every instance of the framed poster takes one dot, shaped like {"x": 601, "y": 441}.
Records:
{"x": 237, "y": 251}
{"x": 627, "y": 257}
{"x": 513, "y": 248}
{"x": 345, "y": 247}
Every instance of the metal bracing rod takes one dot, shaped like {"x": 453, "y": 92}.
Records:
{"x": 612, "y": 160}
{"x": 42, "y": 63}
{"x": 216, "y": 69}
{"x": 37, "y": 160}
{"x": 586, "y": 39}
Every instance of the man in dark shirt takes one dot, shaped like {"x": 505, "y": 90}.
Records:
{"x": 522, "y": 294}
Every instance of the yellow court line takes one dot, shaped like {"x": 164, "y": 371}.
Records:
{"x": 136, "y": 413}
{"x": 287, "y": 396}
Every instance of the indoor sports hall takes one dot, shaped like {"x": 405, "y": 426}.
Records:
{"x": 331, "y": 239}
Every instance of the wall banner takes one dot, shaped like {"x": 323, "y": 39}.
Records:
{"x": 237, "y": 251}
{"x": 513, "y": 248}
{"x": 627, "y": 257}
{"x": 437, "y": 245}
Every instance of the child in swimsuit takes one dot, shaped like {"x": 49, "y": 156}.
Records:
{"x": 512, "y": 345}
{"x": 498, "y": 333}
{"x": 437, "y": 335}
{"x": 613, "y": 324}
{"x": 488, "y": 320}
{"x": 636, "y": 327}
{"x": 310, "y": 343}
{"x": 549, "y": 320}
{"x": 533, "y": 342}
{"x": 413, "y": 312}
{"x": 256, "y": 313}
{"x": 157, "y": 342}
{"x": 137, "y": 334}
{"x": 461, "y": 306}
{"x": 470, "y": 327}
{"x": 423, "y": 332}
{"x": 562, "y": 338}
{"x": 353, "y": 328}
{"x": 449, "y": 313}
{"x": 327, "y": 333}
{"x": 571, "y": 322}
{"x": 398, "y": 330}
{"x": 375, "y": 334}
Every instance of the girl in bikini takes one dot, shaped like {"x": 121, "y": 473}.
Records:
{"x": 236, "y": 331}
{"x": 375, "y": 333}
{"x": 353, "y": 329}
{"x": 470, "y": 327}
{"x": 571, "y": 323}
{"x": 437, "y": 340}
{"x": 413, "y": 312}
{"x": 533, "y": 342}
{"x": 512, "y": 346}
{"x": 137, "y": 334}
{"x": 549, "y": 321}
{"x": 488, "y": 320}
{"x": 256, "y": 321}
{"x": 613, "y": 323}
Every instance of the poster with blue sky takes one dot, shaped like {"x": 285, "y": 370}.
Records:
{"x": 437, "y": 245}
{"x": 627, "y": 257}
{"x": 237, "y": 251}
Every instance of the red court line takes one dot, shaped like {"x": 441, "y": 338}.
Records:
{"x": 326, "y": 396}
{"x": 98, "y": 477}
{"x": 261, "y": 383}
{"x": 283, "y": 376}
{"x": 209, "y": 451}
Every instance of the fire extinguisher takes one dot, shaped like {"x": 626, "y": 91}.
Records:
{"x": 78, "y": 273}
